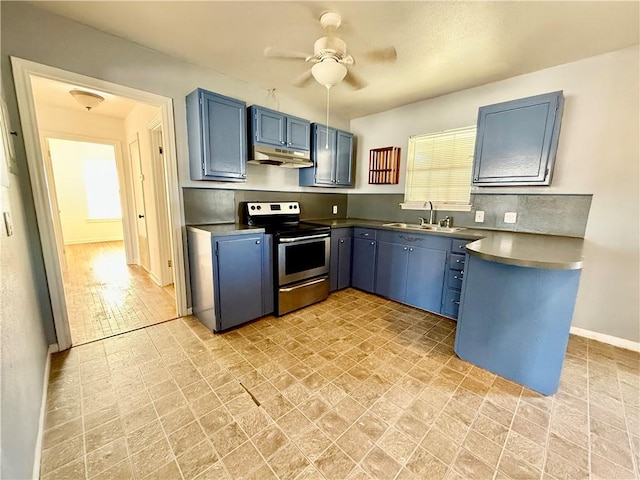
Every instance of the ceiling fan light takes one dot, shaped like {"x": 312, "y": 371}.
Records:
{"x": 328, "y": 72}
{"x": 87, "y": 99}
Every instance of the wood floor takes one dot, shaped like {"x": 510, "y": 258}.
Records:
{"x": 105, "y": 296}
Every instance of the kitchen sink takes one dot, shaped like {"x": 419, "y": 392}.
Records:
{"x": 430, "y": 228}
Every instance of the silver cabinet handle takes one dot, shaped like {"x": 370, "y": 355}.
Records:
{"x": 257, "y": 242}
{"x": 411, "y": 249}
{"x": 373, "y": 243}
{"x": 405, "y": 248}
{"x": 461, "y": 246}
{"x": 302, "y": 285}
{"x": 364, "y": 234}
{"x": 459, "y": 261}
{"x": 341, "y": 240}
{"x": 453, "y": 301}
{"x": 299, "y": 239}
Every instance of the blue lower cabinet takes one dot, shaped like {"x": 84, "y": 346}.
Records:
{"x": 238, "y": 273}
{"x": 363, "y": 273}
{"x": 411, "y": 275}
{"x": 340, "y": 272}
{"x": 514, "y": 321}
{"x": 425, "y": 278}
{"x": 391, "y": 270}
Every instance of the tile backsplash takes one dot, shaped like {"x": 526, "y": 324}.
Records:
{"x": 536, "y": 213}
{"x": 551, "y": 214}
{"x": 206, "y": 205}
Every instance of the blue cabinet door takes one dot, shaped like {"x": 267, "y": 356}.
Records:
{"x": 391, "y": 270}
{"x": 364, "y": 264}
{"x": 239, "y": 279}
{"x": 516, "y": 141}
{"x": 344, "y": 262}
{"x": 344, "y": 159}
{"x": 425, "y": 278}
{"x": 332, "y": 156}
{"x": 323, "y": 154}
{"x": 340, "y": 267}
{"x": 298, "y": 134}
{"x": 217, "y": 138}
{"x": 269, "y": 126}
{"x": 267, "y": 275}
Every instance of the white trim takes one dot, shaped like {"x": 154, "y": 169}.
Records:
{"x": 609, "y": 339}
{"x": 22, "y": 72}
{"x": 37, "y": 457}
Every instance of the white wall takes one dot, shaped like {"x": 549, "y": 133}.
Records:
{"x": 599, "y": 153}
{"x": 136, "y": 123}
{"x": 67, "y": 161}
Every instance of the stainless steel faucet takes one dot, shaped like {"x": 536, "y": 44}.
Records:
{"x": 422, "y": 220}
{"x": 446, "y": 222}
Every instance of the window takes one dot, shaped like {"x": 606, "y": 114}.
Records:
{"x": 439, "y": 169}
{"x": 101, "y": 183}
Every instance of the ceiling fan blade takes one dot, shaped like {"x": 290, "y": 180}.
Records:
{"x": 271, "y": 52}
{"x": 354, "y": 81}
{"x": 302, "y": 80}
{"x": 387, "y": 54}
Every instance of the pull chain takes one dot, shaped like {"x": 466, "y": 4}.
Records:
{"x": 326, "y": 145}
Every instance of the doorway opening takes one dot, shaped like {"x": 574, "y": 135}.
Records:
{"x": 107, "y": 201}
{"x": 105, "y": 294}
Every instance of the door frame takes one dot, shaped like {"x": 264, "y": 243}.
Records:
{"x": 156, "y": 142}
{"x": 136, "y": 223}
{"x": 23, "y": 70}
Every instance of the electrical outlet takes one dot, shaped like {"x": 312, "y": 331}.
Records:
{"x": 480, "y": 216}
{"x": 510, "y": 217}
{"x": 335, "y": 209}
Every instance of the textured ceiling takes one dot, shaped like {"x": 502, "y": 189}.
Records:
{"x": 442, "y": 47}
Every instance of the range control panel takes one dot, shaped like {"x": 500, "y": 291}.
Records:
{"x": 272, "y": 208}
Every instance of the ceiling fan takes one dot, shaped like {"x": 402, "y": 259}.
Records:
{"x": 330, "y": 58}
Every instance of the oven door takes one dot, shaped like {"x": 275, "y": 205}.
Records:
{"x": 301, "y": 258}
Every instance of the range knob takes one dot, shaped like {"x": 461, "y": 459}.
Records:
{"x": 253, "y": 207}
{"x": 259, "y": 207}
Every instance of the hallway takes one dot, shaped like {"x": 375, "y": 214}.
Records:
{"x": 105, "y": 296}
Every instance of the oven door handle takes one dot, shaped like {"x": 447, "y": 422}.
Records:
{"x": 299, "y": 239}
{"x": 305, "y": 284}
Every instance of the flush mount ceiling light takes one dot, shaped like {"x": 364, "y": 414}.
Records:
{"x": 87, "y": 99}
{"x": 328, "y": 72}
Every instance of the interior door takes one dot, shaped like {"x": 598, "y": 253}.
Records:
{"x": 55, "y": 209}
{"x": 138, "y": 193}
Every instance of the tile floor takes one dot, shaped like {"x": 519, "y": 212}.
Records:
{"x": 105, "y": 296}
{"x": 356, "y": 387}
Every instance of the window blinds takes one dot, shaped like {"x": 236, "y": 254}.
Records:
{"x": 439, "y": 169}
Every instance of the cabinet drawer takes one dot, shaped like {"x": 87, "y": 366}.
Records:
{"x": 451, "y": 303}
{"x": 458, "y": 246}
{"x": 455, "y": 279}
{"x": 456, "y": 262}
{"x": 364, "y": 233}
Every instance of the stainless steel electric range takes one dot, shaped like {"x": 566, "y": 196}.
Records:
{"x": 301, "y": 254}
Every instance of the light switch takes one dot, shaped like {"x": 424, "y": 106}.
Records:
{"x": 335, "y": 209}
{"x": 480, "y": 216}
{"x": 510, "y": 217}
{"x": 8, "y": 224}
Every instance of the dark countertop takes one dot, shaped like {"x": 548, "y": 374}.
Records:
{"x": 520, "y": 249}
{"x": 550, "y": 252}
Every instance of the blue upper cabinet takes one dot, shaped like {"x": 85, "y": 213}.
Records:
{"x": 332, "y": 156}
{"x": 279, "y": 129}
{"x": 516, "y": 142}
{"x": 216, "y": 127}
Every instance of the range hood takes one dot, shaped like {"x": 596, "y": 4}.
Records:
{"x": 280, "y": 157}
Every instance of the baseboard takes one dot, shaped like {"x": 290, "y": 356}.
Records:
{"x": 609, "y": 339}
{"x": 43, "y": 410}
{"x": 94, "y": 240}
